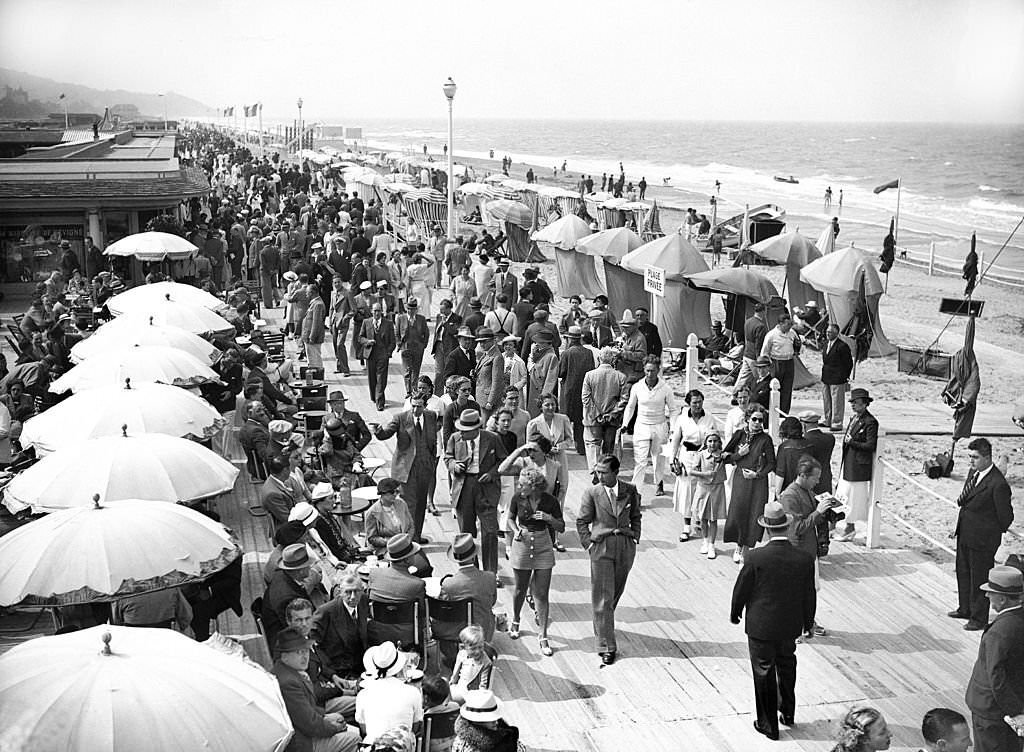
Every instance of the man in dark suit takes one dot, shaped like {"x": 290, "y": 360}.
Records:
{"x": 468, "y": 583}
{"x": 822, "y": 445}
{"x": 650, "y": 331}
{"x": 273, "y": 397}
{"x": 776, "y": 587}
{"x": 996, "y": 688}
{"x": 413, "y": 335}
{"x": 985, "y": 514}
{"x": 609, "y": 528}
{"x": 859, "y": 444}
{"x": 489, "y": 373}
{"x": 377, "y": 338}
{"x": 414, "y": 464}
{"x": 275, "y": 494}
{"x": 836, "y": 367}
{"x": 286, "y": 584}
{"x": 446, "y": 328}
{"x": 339, "y": 627}
{"x": 254, "y": 435}
{"x": 472, "y": 456}
{"x": 394, "y": 584}
{"x": 462, "y": 360}
{"x": 505, "y": 282}
{"x": 331, "y": 690}
{"x": 310, "y": 721}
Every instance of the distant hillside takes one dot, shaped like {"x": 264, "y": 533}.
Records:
{"x": 86, "y": 99}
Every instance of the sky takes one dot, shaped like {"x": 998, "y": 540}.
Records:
{"x": 831, "y": 60}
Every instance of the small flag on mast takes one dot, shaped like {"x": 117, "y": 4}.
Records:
{"x": 886, "y": 186}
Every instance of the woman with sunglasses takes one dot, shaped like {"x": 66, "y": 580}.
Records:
{"x": 752, "y": 451}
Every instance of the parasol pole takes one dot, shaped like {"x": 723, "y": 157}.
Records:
{"x": 896, "y": 226}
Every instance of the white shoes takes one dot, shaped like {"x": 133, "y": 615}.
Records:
{"x": 712, "y": 553}
{"x": 704, "y": 547}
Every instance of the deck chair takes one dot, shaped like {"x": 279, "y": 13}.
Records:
{"x": 447, "y": 619}
{"x": 275, "y": 346}
{"x": 252, "y": 286}
{"x": 397, "y": 622}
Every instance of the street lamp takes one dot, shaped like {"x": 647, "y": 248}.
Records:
{"x": 164, "y": 100}
{"x": 449, "y": 89}
{"x": 299, "y": 103}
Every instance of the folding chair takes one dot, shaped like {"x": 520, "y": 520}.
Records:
{"x": 397, "y": 622}
{"x": 447, "y": 619}
{"x": 438, "y": 726}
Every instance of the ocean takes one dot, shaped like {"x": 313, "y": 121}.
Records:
{"x": 956, "y": 178}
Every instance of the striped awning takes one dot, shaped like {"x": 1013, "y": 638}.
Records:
{"x": 426, "y": 194}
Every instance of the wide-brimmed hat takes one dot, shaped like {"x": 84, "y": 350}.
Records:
{"x": 484, "y": 334}
{"x": 280, "y": 427}
{"x": 1005, "y": 580}
{"x": 290, "y": 276}
{"x": 388, "y": 485}
{"x": 627, "y": 318}
{"x": 468, "y": 420}
{"x": 304, "y": 512}
{"x": 321, "y": 490}
{"x": 476, "y": 303}
{"x": 383, "y": 660}
{"x": 481, "y": 706}
{"x": 336, "y": 396}
{"x": 401, "y": 546}
{"x": 574, "y": 332}
{"x": 289, "y": 639}
{"x": 511, "y": 339}
{"x": 463, "y": 548}
{"x": 808, "y": 416}
{"x": 774, "y": 517}
{"x": 861, "y": 394}
{"x": 465, "y": 331}
{"x": 294, "y": 556}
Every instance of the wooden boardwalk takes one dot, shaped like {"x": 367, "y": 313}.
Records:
{"x": 683, "y": 678}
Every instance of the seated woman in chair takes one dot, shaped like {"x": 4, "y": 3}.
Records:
{"x": 387, "y": 517}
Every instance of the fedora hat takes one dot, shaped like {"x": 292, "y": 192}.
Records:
{"x": 304, "y": 512}
{"x": 861, "y": 394}
{"x": 475, "y": 303}
{"x": 321, "y": 491}
{"x": 481, "y": 706}
{"x": 763, "y": 362}
{"x": 484, "y": 334}
{"x": 511, "y": 339}
{"x": 468, "y": 420}
{"x": 383, "y": 660}
{"x": 336, "y": 396}
{"x": 774, "y": 517}
{"x": 627, "y": 318}
{"x": 401, "y": 546}
{"x": 463, "y": 548}
{"x": 290, "y": 276}
{"x": 289, "y": 639}
{"x": 1005, "y": 580}
{"x": 412, "y": 303}
{"x": 465, "y": 331}
{"x": 574, "y": 332}
{"x": 294, "y": 556}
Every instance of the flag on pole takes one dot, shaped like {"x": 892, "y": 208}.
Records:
{"x": 60, "y": 97}
{"x": 886, "y": 186}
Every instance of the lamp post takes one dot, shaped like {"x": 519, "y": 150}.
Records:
{"x": 164, "y": 100}
{"x": 449, "y": 93}
{"x": 299, "y": 103}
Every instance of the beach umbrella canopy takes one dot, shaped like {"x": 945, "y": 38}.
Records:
{"x": 169, "y": 312}
{"x": 147, "y": 408}
{"x": 563, "y": 233}
{"x": 826, "y": 241}
{"x": 734, "y": 281}
{"x": 476, "y": 189}
{"x": 426, "y": 194}
{"x": 786, "y": 248}
{"x": 145, "y": 335}
{"x": 152, "y": 246}
{"x": 614, "y": 243}
{"x": 102, "y": 552}
{"x": 515, "y": 212}
{"x": 495, "y": 178}
{"x": 162, "y": 365}
{"x": 673, "y": 253}
{"x": 147, "y": 466}
{"x": 108, "y": 689}
{"x": 144, "y": 297}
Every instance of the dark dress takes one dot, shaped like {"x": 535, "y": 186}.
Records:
{"x": 748, "y": 496}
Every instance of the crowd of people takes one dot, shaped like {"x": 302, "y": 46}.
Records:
{"x": 514, "y": 394}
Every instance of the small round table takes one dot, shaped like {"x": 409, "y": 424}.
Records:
{"x": 359, "y": 503}
{"x": 372, "y": 465}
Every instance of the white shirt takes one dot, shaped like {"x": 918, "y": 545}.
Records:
{"x": 386, "y": 703}
{"x": 981, "y": 474}
{"x": 779, "y": 345}
{"x": 652, "y": 405}
{"x": 474, "y": 454}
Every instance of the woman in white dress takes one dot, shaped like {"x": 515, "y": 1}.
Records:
{"x": 418, "y": 277}
{"x": 689, "y": 431}
{"x": 463, "y": 290}
{"x": 515, "y": 366}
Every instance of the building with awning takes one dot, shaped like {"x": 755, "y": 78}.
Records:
{"x": 103, "y": 187}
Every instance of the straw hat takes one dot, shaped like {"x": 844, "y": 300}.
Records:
{"x": 463, "y": 548}
{"x": 401, "y": 546}
{"x": 1004, "y": 580}
{"x": 481, "y": 706}
{"x": 321, "y": 491}
{"x": 808, "y": 416}
{"x": 290, "y": 276}
{"x": 574, "y": 332}
{"x": 465, "y": 331}
{"x": 304, "y": 512}
{"x": 383, "y": 660}
{"x": 468, "y": 420}
{"x": 627, "y": 318}
{"x": 294, "y": 556}
{"x": 774, "y": 517}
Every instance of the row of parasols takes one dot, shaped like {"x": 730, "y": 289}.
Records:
{"x": 120, "y": 461}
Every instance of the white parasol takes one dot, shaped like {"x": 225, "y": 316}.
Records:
{"x": 147, "y": 466}
{"x": 145, "y": 334}
{"x": 614, "y": 243}
{"x": 162, "y": 365}
{"x": 169, "y": 312}
{"x": 152, "y": 246}
{"x": 148, "y": 408}
{"x": 144, "y": 297}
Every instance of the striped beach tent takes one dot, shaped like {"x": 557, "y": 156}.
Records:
{"x": 427, "y": 207}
